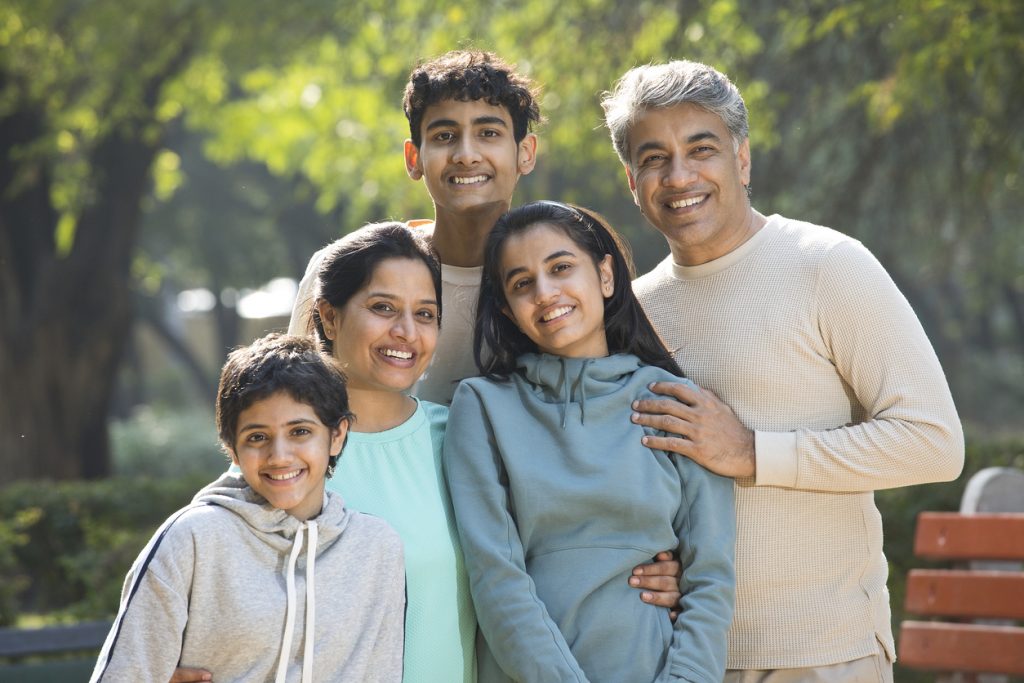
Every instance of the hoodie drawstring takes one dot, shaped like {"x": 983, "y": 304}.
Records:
{"x": 567, "y": 390}
{"x": 289, "y": 626}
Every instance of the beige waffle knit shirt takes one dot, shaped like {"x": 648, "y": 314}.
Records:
{"x": 802, "y": 332}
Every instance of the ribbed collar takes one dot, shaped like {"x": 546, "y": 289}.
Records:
{"x": 769, "y": 230}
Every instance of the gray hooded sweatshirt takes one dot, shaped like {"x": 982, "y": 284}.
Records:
{"x": 556, "y": 500}
{"x": 233, "y": 585}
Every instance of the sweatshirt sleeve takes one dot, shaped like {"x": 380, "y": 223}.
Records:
{"x": 145, "y": 642}
{"x": 523, "y": 638}
{"x": 706, "y": 526}
{"x": 911, "y": 434}
{"x": 303, "y": 306}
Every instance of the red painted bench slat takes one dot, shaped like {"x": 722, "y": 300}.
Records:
{"x": 937, "y": 646}
{"x": 953, "y": 536}
{"x": 963, "y": 593}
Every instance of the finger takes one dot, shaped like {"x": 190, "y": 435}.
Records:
{"x": 656, "y": 584}
{"x": 673, "y": 444}
{"x": 187, "y": 675}
{"x": 662, "y": 406}
{"x": 659, "y": 568}
{"x": 685, "y": 392}
{"x": 673, "y": 615}
{"x": 664, "y": 423}
{"x": 668, "y": 599}
{"x": 664, "y": 555}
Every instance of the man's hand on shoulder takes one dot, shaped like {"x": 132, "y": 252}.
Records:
{"x": 709, "y": 433}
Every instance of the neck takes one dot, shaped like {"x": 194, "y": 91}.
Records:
{"x": 377, "y": 410}
{"x": 459, "y": 238}
{"x": 700, "y": 254}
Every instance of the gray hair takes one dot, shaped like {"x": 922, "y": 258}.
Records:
{"x": 653, "y": 86}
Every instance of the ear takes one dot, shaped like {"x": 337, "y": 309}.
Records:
{"x": 632, "y": 183}
{"x": 743, "y": 158}
{"x": 606, "y": 272}
{"x": 328, "y": 316}
{"x": 412, "y": 161}
{"x": 338, "y": 437}
{"x": 527, "y": 154}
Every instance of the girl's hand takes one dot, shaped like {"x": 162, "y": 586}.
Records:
{"x": 658, "y": 582}
{"x": 187, "y": 675}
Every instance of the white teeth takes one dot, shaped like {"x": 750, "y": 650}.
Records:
{"x": 678, "y": 204}
{"x": 468, "y": 181}
{"x": 285, "y": 477}
{"x": 551, "y": 315}
{"x": 403, "y": 355}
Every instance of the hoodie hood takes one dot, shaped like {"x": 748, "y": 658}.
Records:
{"x": 287, "y": 536}
{"x": 555, "y": 379}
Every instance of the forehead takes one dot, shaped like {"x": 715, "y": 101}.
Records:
{"x": 663, "y": 126}
{"x": 464, "y": 113}
{"x": 399, "y": 275}
{"x": 278, "y": 408}
{"x": 536, "y": 243}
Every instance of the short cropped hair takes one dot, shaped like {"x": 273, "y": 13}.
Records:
{"x": 275, "y": 363}
{"x": 654, "y": 86}
{"x": 466, "y": 76}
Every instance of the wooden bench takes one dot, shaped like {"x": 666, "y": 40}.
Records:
{"x": 960, "y": 595}
{"x": 16, "y": 645}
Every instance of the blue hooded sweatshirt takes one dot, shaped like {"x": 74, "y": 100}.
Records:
{"x": 556, "y": 500}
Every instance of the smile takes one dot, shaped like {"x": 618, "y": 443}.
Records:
{"x": 395, "y": 353}
{"x": 690, "y": 201}
{"x": 284, "y": 477}
{"x": 470, "y": 180}
{"x": 556, "y": 313}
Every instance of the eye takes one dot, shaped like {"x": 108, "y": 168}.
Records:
{"x": 490, "y": 133}
{"x": 445, "y": 136}
{"x": 255, "y": 437}
{"x": 301, "y": 431}
{"x": 704, "y": 151}
{"x": 426, "y": 314}
{"x": 561, "y": 267}
{"x": 520, "y": 283}
{"x": 383, "y": 307}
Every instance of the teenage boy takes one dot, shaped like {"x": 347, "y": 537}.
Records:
{"x": 228, "y": 581}
{"x": 835, "y": 387}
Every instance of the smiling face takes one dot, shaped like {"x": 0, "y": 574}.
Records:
{"x": 555, "y": 292}
{"x": 688, "y": 178}
{"x": 384, "y": 336}
{"x": 282, "y": 448}
{"x": 468, "y": 156}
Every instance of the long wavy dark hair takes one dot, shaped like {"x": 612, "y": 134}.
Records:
{"x": 498, "y": 342}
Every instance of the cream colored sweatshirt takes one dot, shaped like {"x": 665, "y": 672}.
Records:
{"x": 802, "y": 332}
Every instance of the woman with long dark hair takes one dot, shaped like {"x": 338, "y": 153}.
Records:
{"x": 549, "y": 479}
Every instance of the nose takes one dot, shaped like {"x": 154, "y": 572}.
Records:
{"x": 545, "y": 290}
{"x": 466, "y": 151}
{"x": 678, "y": 173}
{"x": 404, "y": 328}
{"x": 279, "y": 451}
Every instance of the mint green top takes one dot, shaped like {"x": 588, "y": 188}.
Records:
{"x": 396, "y": 475}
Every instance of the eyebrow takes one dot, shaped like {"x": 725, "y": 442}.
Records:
{"x": 696, "y": 137}
{"x": 392, "y": 297}
{"x": 478, "y": 121}
{"x": 522, "y": 269}
{"x": 255, "y": 425}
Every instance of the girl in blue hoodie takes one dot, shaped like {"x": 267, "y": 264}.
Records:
{"x": 555, "y": 497}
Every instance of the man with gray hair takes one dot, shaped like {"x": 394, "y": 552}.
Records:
{"x": 829, "y": 387}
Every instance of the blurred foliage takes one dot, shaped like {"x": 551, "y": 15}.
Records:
{"x": 74, "y": 541}
{"x": 164, "y": 443}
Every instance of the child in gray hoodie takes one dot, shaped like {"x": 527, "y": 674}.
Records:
{"x": 267, "y": 576}
{"x": 555, "y": 496}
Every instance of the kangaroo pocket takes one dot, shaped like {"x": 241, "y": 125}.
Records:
{"x": 614, "y": 636}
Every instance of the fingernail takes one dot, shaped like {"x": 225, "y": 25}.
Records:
{"x": 644, "y": 441}
{"x": 633, "y": 581}
{"x": 634, "y": 417}
{"x": 636, "y": 405}
{"x": 646, "y": 597}
{"x": 638, "y": 571}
